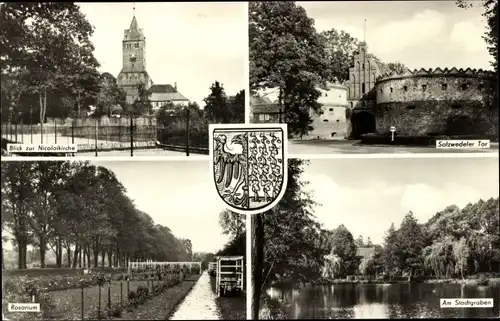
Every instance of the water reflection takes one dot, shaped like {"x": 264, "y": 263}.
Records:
{"x": 384, "y": 301}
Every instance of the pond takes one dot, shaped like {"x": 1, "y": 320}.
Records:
{"x": 355, "y": 301}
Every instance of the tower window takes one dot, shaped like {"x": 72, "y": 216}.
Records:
{"x": 411, "y": 107}
{"x": 444, "y": 86}
{"x": 331, "y": 109}
{"x": 326, "y": 94}
{"x": 136, "y": 45}
{"x": 325, "y": 120}
{"x": 381, "y": 91}
{"x": 424, "y": 87}
{"x": 391, "y": 90}
{"x": 405, "y": 88}
{"x": 363, "y": 66}
{"x": 464, "y": 86}
{"x": 363, "y": 88}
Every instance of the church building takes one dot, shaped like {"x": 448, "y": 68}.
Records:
{"x": 134, "y": 71}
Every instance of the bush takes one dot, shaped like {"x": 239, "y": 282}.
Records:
{"x": 23, "y": 291}
{"x": 132, "y": 295}
{"x": 142, "y": 292}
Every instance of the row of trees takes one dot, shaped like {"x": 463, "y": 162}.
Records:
{"x": 454, "y": 243}
{"x": 219, "y": 108}
{"x": 80, "y": 211}
{"x": 287, "y": 53}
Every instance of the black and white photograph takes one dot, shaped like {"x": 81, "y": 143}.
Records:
{"x": 120, "y": 79}
{"x": 119, "y": 240}
{"x": 384, "y": 238}
{"x": 363, "y": 77}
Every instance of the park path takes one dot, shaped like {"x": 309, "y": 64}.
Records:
{"x": 199, "y": 304}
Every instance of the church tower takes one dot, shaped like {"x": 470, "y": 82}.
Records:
{"x": 133, "y": 70}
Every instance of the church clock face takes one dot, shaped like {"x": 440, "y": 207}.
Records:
{"x": 132, "y": 57}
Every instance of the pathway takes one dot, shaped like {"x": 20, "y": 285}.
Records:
{"x": 199, "y": 304}
{"x": 347, "y": 147}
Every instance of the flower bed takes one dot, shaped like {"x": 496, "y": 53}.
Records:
{"x": 67, "y": 304}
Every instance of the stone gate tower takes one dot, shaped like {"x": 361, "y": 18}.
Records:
{"x": 133, "y": 70}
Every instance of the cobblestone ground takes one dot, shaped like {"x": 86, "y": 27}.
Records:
{"x": 348, "y": 147}
{"x": 199, "y": 304}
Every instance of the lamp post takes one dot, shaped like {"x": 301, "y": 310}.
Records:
{"x": 187, "y": 131}
{"x": 19, "y": 117}
{"x": 31, "y": 124}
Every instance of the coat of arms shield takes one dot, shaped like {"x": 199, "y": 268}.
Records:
{"x": 249, "y": 165}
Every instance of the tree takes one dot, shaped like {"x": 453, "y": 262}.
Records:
{"x": 345, "y": 248}
{"x": 287, "y": 53}
{"x": 367, "y": 266}
{"x": 216, "y": 104}
{"x": 111, "y": 97}
{"x": 49, "y": 45}
{"x": 461, "y": 256}
{"x": 368, "y": 242}
{"x": 236, "y": 107}
{"x": 395, "y": 67}
{"x": 284, "y": 239}
{"x": 333, "y": 267}
{"x": 232, "y": 223}
{"x": 340, "y": 48}
{"x": 359, "y": 241}
{"x": 491, "y": 35}
{"x": 411, "y": 242}
{"x": 391, "y": 251}
{"x": 142, "y": 105}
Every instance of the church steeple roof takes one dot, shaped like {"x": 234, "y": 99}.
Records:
{"x": 134, "y": 25}
{"x": 133, "y": 32}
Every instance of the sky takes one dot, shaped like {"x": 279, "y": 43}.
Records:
{"x": 420, "y": 34}
{"x": 367, "y": 195}
{"x": 193, "y": 44}
{"x": 178, "y": 194}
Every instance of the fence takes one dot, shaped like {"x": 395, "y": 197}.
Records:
{"x": 110, "y": 134}
{"x": 107, "y": 300}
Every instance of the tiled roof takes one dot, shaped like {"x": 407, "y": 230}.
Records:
{"x": 263, "y": 105}
{"x": 266, "y": 109}
{"x": 365, "y": 251}
{"x": 254, "y": 100}
{"x": 162, "y": 89}
{"x": 165, "y": 93}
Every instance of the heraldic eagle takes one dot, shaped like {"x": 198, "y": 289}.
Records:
{"x": 231, "y": 166}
